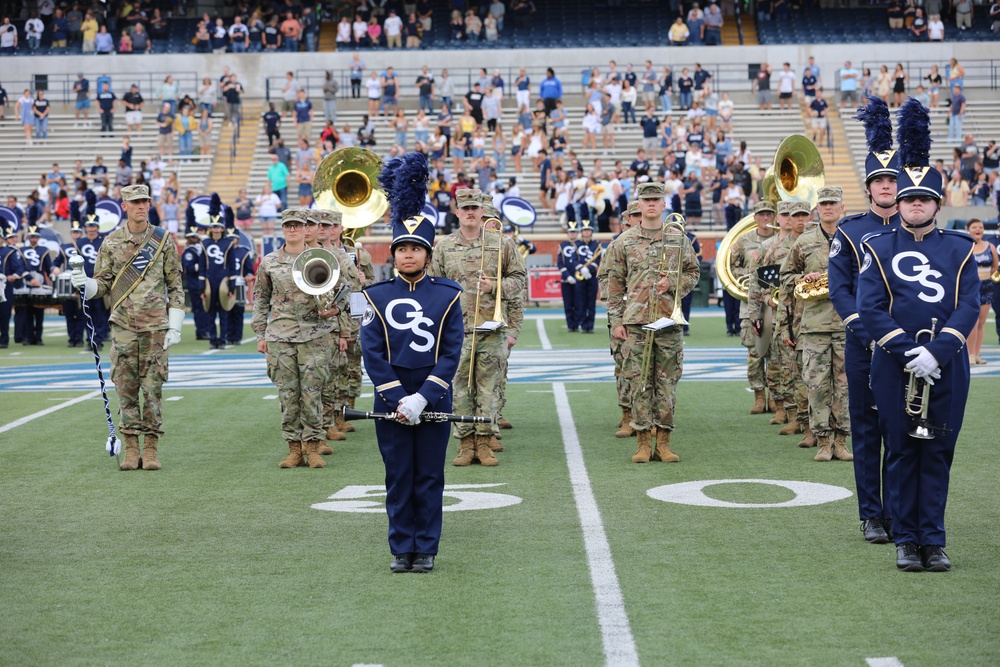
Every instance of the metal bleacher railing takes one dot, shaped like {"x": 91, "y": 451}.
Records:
{"x": 978, "y": 73}
{"x": 59, "y": 87}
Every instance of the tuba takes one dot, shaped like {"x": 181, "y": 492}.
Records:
{"x": 347, "y": 181}
{"x": 797, "y": 175}
{"x": 316, "y": 272}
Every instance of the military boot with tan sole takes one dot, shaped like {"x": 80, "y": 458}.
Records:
{"x": 504, "y": 424}
{"x": 626, "y": 430}
{"x": 131, "y": 461}
{"x": 334, "y": 433}
{"x": 149, "y": 458}
{"x": 312, "y": 455}
{"x": 343, "y": 425}
{"x": 780, "y": 415}
{"x": 825, "y": 452}
{"x": 808, "y": 438}
{"x": 645, "y": 440}
{"x": 792, "y": 427}
{"x": 495, "y": 444}
{"x": 840, "y": 450}
{"x": 759, "y": 402}
{"x": 484, "y": 453}
{"x": 466, "y": 451}
{"x": 294, "y": 458}
{"x": 663, "y": 451}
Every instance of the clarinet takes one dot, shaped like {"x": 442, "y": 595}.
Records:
{"x": 351, "y": 414}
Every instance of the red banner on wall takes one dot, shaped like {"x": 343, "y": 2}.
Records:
{"x": 544, "y": 284}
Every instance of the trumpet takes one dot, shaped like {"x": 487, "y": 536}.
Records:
{"x": 497, "y": 322}
{"x": 675, "y": 222}
{"x": 316, "y": 272}
{"x": 918, "y": 395}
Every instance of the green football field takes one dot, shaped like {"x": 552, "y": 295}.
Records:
{"x": 565, "y": 554}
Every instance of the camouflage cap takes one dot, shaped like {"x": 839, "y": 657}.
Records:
{"x": 294, "y": 215}
{"x": 650, "y": 191}
{"x": 765, "y": 206}
{"x": 135, "y": 193}
{"x": 490, "y": 211}
{"x": 469, "y": 198}
{"x": 785, "y": 207}
{"x": 799, "y": 208}
{"x": 830, "y": 193}
{"x": 633, "y": 209}
{"x": 324, "y": 217}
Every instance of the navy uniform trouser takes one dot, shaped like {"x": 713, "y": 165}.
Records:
{"x": 414, "y": 459}
{"x": 28, "y": 323}
{"x": 866, "y": 435}
{"x": 732, "y": 306}
{"x": 215, "y": 311}
{"x": 202, "y": 324}
{"x": 99, "y": 316}
{"x": 235, "y": 317}
{"x": 918, "y": 471}
{"x": 571, "y": 306}
{"x": 585, "y": 297}
{"x": 5, "y": 310}
{"x": 75, "y": 323}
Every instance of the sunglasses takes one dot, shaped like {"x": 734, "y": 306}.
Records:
{"x": 292, "y": 225}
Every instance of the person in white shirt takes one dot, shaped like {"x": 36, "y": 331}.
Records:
{"x": 374, "y": 87}
{"x": 786, "y": 86}
{"x": 344, "y": 31}
{"x": 239, "y": 35}
{"x": 726, "y": 107}
{"x": 267, "y": 204}
{"x": 935, "y": 29}
{"x": 33, "y": 29}
{"x": 289, "y": 93}
{"x": 360, "y": 32}
{"x": 393, "y": 27}
{"x": 8, "y": 37}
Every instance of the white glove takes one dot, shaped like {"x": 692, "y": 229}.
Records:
{"x": 925, "y": 366}
{"x": 78, "y": 277}
{"x": 411, "y": 406}
{"x": 176, "y": 318}
{"x": 571, "y": 280}
{"x": 585, "y": 272}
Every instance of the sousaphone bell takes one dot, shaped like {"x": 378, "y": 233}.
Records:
{"x": 347, "y": 181}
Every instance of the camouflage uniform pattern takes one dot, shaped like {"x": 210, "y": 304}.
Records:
{"x": 779, "y": 372}
{"x": 353, "y": 367}
{"x": 635, "y": 260}
{"x": 139, "y": 324}
{"x": 337, "y": 389}
{"x": 459, "y": 259}
{"x": 514, "y": 317}
{"x": 746, "y": 256}
{"x": 821, "y": 338}
{"x": 298, "y": 346}
{"x": 624, "y": 390}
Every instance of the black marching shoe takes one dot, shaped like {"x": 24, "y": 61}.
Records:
{"x": 908, "y": 558}
{"x": 401, "y": 563}
{"x": 423, "y": 563}
{"x": 874, "y": 531}
{"x": 935, "y": 559}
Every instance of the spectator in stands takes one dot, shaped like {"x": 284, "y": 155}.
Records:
{"x": 935, "y": 28}
{"x": 33, "y": 29}
{"x": 900, "y": 78}
{"x": 202, "y": 38}
{"x": 169, "y": 92}
{"x": 883, "y": 84}
{"x": 963, "y": 14}
{"x": 474, "y": 103}
{"x": 310, "y": 28}
{"x": 344, "y": 31}
{"x": 490, "y": 31}
{"x": 132, "y": 101}
{"x": 848, "y": 85}
{"x": 413, "y": 30}
{"x": 762, "y": 86}
{"x": 165, "y": 123}
{"x": 232, "y": 91}
{"x": 818, "y": 109}
{"x": 934, "y": 82}
{"x": 89, "y": 29}
{"x": 922, "y": 96}
{"x": 473, "y": 26}
{"x": 393, "y": 27}
{"x": 208, "y": 94}
{"x": 303, "y": 115}
{"x": 956, "y": 114}
{"x": 8, "y": 37}
{"x": 591, "y": 126}
{"x": 272, "y": 35}
{"x": 158, "y": 25}
{"x": 957, "y": 190}
{"x": 59, "y": 29}
{"x": 390, "y": 92}
{"x": 205, "y": 127}
{"x": 895, "y": 14}
{"x": 219, "y": 37}
{"x": 695, "y": 23}
{"x": 786, "y": 86}
{"x": 550, "y": 90}
{"x": 125, "y": 42}
{"x": 374, "y": 87}
{"x": 956, "y": 75}
{"x": 678, "y": 33}
{"x": 141, "y": 43}
{"x": 239, "y": 35}
{"x": 103, "y": 42}
{"x": 74, "y": 17}
{"x": 291, "y": 30}
{"x": 918, "y": 30}
{"x": 277, "y": 174}
{"x": 272, "y": 124}
{"x": 289, "y": 93}
{"x": 712, "y": 27}
{"x": 330, "y": 90}
{"x": 267, "y": 204}
{"x": 304, "y": 178}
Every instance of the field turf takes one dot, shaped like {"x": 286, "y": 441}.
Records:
{"x": 221, "y": 558}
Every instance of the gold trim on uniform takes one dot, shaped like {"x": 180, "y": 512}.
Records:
{"x": 388, "y": 385}
{"x": 850, "y": 318}
{"x": 954, "y": 332}
{"x": 889, "y": 336}
{"x": 435, "y": 379}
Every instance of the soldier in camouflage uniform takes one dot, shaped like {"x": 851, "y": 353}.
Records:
{"x": 295, "y": 337}
{"x": 469, "y": 256}
{"x": 786, "y": 334}
{"x": 366, "y": 274}
{"x": 632, "y": 217}
{"x": 642, "y": 284}
{"x": 335, "y": 390}
{"x": 745, "y": 260}
{"x": 513, "y": 315}
{"x": 821, "y": 333}
{"x": 147, "y": 314}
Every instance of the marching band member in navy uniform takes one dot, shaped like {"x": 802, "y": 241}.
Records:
{"x": 881, "y": 169}
{"x": 72, "y": 309}
{"x": 913, "y": 279}
{"x": 588, "y": 254}
{"x": 215, "y": 267}
{"x": 28, "y": 320}
{"x": 567, "y": 263}
{"x": 411, "y": 340}
{"x": 241, "y": 267}
{"x": 11, "y": 267}
{"x": 192, "y": 261}
{"x": 87, "y": 248}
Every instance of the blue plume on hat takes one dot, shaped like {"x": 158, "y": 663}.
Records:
{"x": 913, "y": 134}
{"x": 189, "y": 215}
{"x": 878, "y": 126}
{"x": 74, "y": 213}
{"x": 230, "y": 221}
{"x": 215, "y": 210}
{"x": 404, "y": 180}
{"x": 154, "y": 216}
{"x": 32, "y": 216}
{"x": 91, "y": 199}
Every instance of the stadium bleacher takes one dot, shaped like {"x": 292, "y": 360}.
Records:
{"x": 858, "y": 24}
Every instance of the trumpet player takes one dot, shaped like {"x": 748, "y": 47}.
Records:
{"x": 821, "y": 332}
{"x": 475, "y": 259}
{"x": 651, "y": 269}
{"x": 913, "y": 278}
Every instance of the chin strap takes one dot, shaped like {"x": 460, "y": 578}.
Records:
{"x": 926, "y": 224}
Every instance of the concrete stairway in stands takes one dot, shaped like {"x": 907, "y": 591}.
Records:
{"x": 231, "y": 170}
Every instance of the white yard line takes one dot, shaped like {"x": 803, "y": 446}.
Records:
{"x": 47, "y": 411}
{"x": 884, "y": 662}
{"x": 542, "y": 336}
{"x": 616, "y": 633}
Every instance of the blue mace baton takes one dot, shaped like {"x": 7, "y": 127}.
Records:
{"x": 114, "y": 444}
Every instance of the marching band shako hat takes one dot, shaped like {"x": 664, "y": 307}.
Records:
{"x": 9, "y": 232}
{"x": 571, "y": 226}
{"x": 216, "y": 216}
{"x": 74, "y": 216}
{"x": 91, "y": 197}
{"x": 916, "y": 176}
{"x": 190, "y": 226}
{"x": 585, "y": 225}
{"x": 33, "y": 231}
{"x": 881, "y": 160}
{"x": 404, "y": 180}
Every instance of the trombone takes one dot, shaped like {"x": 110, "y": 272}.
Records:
{"x": 675, "y": 222}
{"x": 918, "y": 395}
{"x": 497, "y": 322}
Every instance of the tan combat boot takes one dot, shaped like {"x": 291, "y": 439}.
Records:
{"x": 759, "y": 404}
{"x": 626, "y": 430}
{"x": 840, "y": 451}
{"x": 495, "y": 444}
{"x": 484, "y": 453}
{"x": 645, "y": 440}
{"x": 808, "y": 438}
{"x": 825, "y": 452}
{"x": 504, "y": 424}
{"x": 621, "y": 420}
{"x": 312, "y": 455}
{"x": 780, "y": 415}
{"x": 324, "y": 449}
{"x": 663, "y": 451}
{"x": 466, "y": 451}
{"x": 131, "y": 461}
{"x": 149, "y": 459}
{"x": 792, "y": 426}
{"x": 294, "y": 458}
{"x": 770, "y": 404}
{"x": 334, "y": 433}
{"x": 343, "y": 425}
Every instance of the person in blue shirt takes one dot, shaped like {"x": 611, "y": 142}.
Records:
{"x": 550, "y": 90}
{"x": 918, "y": 295}
{"x": 411, "y": 340}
